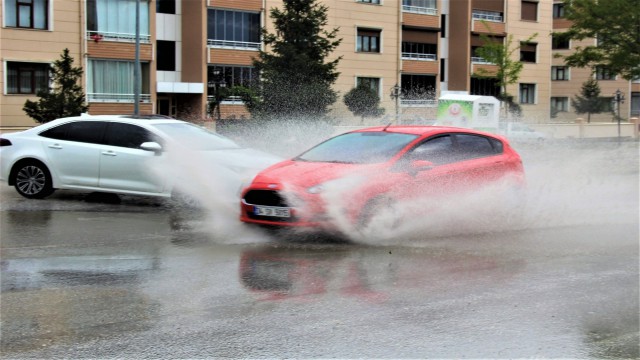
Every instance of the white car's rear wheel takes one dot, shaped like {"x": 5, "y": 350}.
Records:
{"x": 32, "y": 180}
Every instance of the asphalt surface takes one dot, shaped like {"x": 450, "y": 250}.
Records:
{"x": 105, "y": 277}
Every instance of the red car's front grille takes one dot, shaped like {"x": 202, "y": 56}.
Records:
{"x": 265, "y": 198}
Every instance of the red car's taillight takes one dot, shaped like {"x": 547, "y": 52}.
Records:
{"x": 4, "y": 142}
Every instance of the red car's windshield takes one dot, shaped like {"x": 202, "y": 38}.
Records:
{"x": 359, "y": 148}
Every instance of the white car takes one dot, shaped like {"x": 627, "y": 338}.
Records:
{"x": 145, "y": 155}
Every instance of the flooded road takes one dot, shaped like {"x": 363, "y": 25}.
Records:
{"x": 141, "y": 279}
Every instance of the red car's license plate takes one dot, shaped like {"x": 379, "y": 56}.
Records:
{"x": 271, "y": 211}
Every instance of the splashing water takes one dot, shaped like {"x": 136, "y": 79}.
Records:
{"x": 570, "y": 183}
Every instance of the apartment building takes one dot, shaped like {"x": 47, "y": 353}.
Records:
{"x": 189, "y": 49}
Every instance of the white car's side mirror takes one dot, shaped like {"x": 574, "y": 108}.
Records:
{"x": 151, "y": 146}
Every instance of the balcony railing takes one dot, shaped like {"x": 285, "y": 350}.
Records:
{"x": 117, "y": 98}
{"x": 98, "y": 36}
{"x": 237, "y": 45}
{"x": 487, "y": 15}
{"x": 418, "y": 56}
{"x": 419, "y": 10}
{"x": 479, "y": 60}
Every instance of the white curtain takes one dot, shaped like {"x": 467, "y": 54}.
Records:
{"x": 119, "y": 16}
{"x": 110, "y": 77}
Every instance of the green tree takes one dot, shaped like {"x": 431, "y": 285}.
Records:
{"x": 505, "y": 57}
{"x": 296, "y": 81}
{"x": 589, "y": 101}
{"x": 363, "y": 101}
{"x": 65, "y": 98}
{"x": 246, "y": 94}
{"x": 616, "y": 25}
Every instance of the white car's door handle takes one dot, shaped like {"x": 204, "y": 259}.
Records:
{"x": 55, "y": 146}
{"x": 109, "y": 153}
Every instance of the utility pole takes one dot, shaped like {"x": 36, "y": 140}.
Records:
{"x": 136, "y": 66}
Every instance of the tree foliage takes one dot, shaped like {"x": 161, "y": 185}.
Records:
{"x": 589, "y": 101}
{"x": 505, "y": 56}
{"x": 296, "y": 79}
{"x": 363, "y": 101}
{"x": 64, "y": 98}
{"x": 616, "y": 25}
{"x": 246, "y": 94}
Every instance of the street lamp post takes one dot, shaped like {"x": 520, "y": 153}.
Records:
{"x": 618, "y": 98}
{"x": 395, "y": 95}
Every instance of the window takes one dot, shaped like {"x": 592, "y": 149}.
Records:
{"x": 368, "y": 40}
{"x": 116, "y": 19}
{"x": 27, "y": 78}
{"x": 80, "y": 131}
{"x": 528, "y": 52}
{"x": 487, "y": 15}
{"x": 415, "y": 87}
{"x": 28, "y": 14}
{"x": 127, "y": 135}
{"x": 438, "y": 150}
{"x": 369, "y": 1}
{"x": 371, "y": 82}
{"x": 560, "y": 42}
{"x": 231, "y": 76}
{"x": 560, "y": 104}
{"x": 559, "y": 73}
{"x": 166, "y": 6}
{"x": 227, "y": 28}
{"x": 420, "y": 6}
{"x": 558, "y": 11}
{"x": 473, "y": 146}
{"x": 419, "y": 51}
{"x": 529, "y": 11}
{"x": 527, "y": 93}
{"x": 166, "y": 55}
{"x": 635, "y": 103}
{"x": 484, "y": 86}
{"x": 111, "y": 81}
{"x": 604, "y": 73}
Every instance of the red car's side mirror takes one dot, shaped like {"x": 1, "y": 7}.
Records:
{"x": 417, "y": 166}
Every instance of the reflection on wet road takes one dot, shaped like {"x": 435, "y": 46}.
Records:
{"x": 140, "y": 279}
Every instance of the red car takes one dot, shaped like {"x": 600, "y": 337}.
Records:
{"x": 350, "y": 177}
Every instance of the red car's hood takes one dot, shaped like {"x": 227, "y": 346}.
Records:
{"x": 306, "y": 174}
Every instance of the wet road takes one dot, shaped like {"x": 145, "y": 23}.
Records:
{"x": 141, "y": 279}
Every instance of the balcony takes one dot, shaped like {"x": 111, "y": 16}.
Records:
{"x": 419, "y": 57}
{"x": 116, "y": 98}
{"x": 487, "y": 16}
{"x": 98, "y": 36}
{"x": 419, "y": 10}
{"x": 423, "y": 103}
{"x": 233, "y": 45}
{"x": 479, "y": 60}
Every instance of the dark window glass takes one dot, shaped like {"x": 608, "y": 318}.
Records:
{"x": 484, "y": 86}
{"x": 127, "y": 135}
{"x": 528, "y": 52}
{"x": 438, "y": 150}
{"x": 166, "y": 55}
{"x": 81, "y": 131}
{"x": 27, "y": 78}
{"x": 368, "y": 41}
{"x": 369, "y": 1}
{"x": 560, "y": 42}
{"x": 418, "y": 86}
{"x": 473, "y": 146}
{"x": 230, "y": 76}
{"x": 166, "y": 6}
{"x": 29, "y": 14}
{"x": 359, "y": 148}
{"x": 558, "y": 11}
{"x": 604, "y": 73}
{"x": 58, "y": 132}
{"x": 228, "y": 25}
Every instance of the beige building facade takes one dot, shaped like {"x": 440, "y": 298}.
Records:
{"x": 190, "y": 49}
